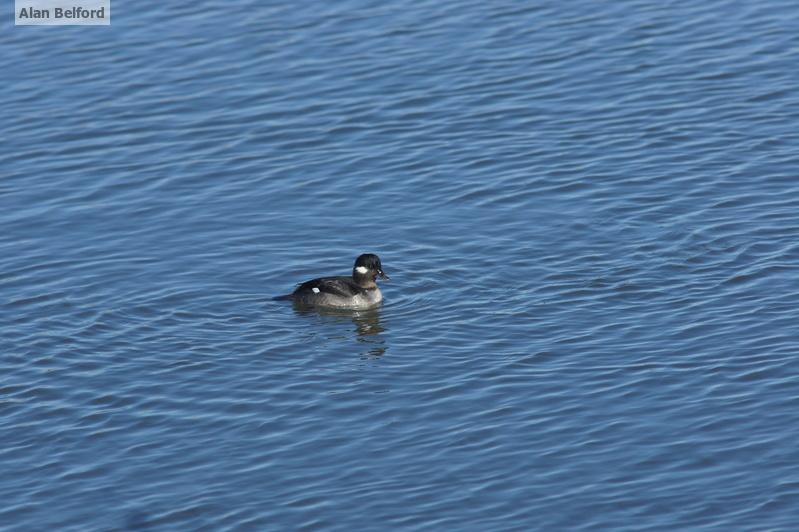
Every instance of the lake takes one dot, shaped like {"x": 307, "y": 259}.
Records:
{"x": 589, "y": 212}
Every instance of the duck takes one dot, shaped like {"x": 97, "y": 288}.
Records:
{"x": 357, "y": 292}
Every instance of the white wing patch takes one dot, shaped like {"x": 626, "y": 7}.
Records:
{"x": 315, "y": 290}
{"x": 362, "y": 269}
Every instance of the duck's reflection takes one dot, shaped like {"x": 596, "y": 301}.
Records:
{"x": 367, "y": 325}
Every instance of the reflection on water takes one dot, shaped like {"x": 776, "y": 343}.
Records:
{"x": 368, "y": 326}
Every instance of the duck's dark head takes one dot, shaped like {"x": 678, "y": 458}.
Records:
{"x": 367, "y": 268}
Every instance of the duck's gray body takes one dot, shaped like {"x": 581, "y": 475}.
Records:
{"x": 357, "y": 292}
{"x": 337, "y": 292}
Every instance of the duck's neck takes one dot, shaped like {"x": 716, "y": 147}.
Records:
{"x": 366, "y": 282}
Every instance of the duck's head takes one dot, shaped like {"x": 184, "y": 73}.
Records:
{"x": 367, "y": 268}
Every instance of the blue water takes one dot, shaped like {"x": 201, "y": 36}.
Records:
{"x": 589, "y": 211}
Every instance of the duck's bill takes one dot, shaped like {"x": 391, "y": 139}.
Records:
{"x": 382, "y": 275}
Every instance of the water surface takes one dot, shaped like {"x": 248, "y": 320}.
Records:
{"x": 588, "y": 211}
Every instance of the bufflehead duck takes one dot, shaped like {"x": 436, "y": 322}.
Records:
{"x": 357, "y": 292}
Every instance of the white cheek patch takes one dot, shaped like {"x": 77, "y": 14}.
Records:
{"x": 315, "y": 290}
{"x": 361, "y": 269}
